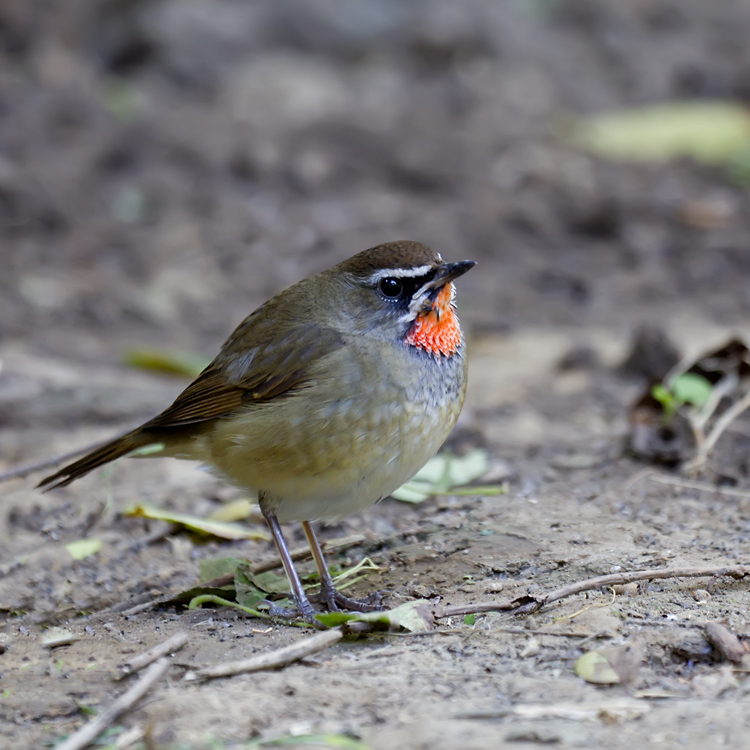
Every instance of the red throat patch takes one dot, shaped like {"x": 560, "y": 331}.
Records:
{"x": 437, "y": 330}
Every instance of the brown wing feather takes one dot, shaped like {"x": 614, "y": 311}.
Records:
{"x": 242, "y": 374}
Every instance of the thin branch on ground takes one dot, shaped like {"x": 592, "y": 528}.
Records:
{"x": 729, "y": 416}
{"x": 175, "y": 643}
{"x": 527, "y": 604}
{"x": 690, "y": 484}
{"x": 272, "y": 660}
{"x": 89, "y": 732}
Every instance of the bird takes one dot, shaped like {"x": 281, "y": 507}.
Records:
{"x": 324, "y": 400}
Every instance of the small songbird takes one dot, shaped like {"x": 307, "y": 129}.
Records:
{"x": 324, "y": 400}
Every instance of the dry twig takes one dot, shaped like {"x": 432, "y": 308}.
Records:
{"x": 89, "y": 732}
{"x": 273, "y": 660}
{"x": 717, "y": 431}
{"x": 689, "y": 484}
{"x": 528, "y": 603}
{"x": 175, "y": 643}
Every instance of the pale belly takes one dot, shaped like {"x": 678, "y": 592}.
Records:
{"x": 318, "y": 456}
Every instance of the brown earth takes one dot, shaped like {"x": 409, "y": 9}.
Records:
{"x": 166, "y": 166}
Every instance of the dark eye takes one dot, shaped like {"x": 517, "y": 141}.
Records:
{"x": 391, "y": 288}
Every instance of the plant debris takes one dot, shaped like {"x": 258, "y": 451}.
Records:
{"x": 221, "y": 529}
{"x": 680, "y": 418}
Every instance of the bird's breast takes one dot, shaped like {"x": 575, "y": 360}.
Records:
{"x": 361, "y": 427}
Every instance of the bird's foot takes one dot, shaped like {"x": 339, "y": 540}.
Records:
{"x": 335, "y": 601}
{"x": 303, "y": 610}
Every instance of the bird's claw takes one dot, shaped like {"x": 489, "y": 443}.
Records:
{"x": 335, "y": 601}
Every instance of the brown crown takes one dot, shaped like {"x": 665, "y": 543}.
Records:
{"x": 399, "y": 254}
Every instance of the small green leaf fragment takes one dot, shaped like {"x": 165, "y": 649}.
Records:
{"x": 415, "y": 616}
{"x": 413, "y": 492}
{"x": 690, "y": 388}
{"x": 667, "y": 400}
{"x": 470, "y": 619}
{"x": 84, "y": 548}
{"x": 147, "y": 450}
{"x": 334, "y": 619}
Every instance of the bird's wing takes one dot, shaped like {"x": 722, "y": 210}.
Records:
{"x": 247, "y": 372}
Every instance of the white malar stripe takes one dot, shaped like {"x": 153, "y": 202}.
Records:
{"x": 399, "y": 273}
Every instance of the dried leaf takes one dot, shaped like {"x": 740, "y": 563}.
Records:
{"x": 593, "y": 667}
{"x": 237, "y": 510}
{"x": 220, "y": 529}
{"x": 611, "y": 665}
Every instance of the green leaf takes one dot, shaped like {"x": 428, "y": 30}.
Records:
{"x": 666, "y": 398}
{"x": 713, "y": 132}
{"x": 415, "y": 616}
{"x": 218, "y": 567}
{"x": 446, "y": 474}
{"x": 84, "y": 548}
{"x": 470, "y": 619}
{"x": 465, "y": 469}
{"x": 690, "y": 388}
{"x": 252, "y": 587}
{"x": 220, "y": 529}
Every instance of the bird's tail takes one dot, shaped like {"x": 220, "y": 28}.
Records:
{"x": 116, "y": 448}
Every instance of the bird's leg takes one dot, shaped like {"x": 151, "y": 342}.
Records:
{"x": 332, "y": 598}
{"x": 298, "y": 593}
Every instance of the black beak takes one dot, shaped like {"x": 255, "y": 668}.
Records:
{"x": 449, "y": 272}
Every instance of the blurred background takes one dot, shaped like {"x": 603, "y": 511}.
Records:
{"x": 166, "y": 165}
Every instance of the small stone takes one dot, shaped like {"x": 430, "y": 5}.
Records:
{"x": 55, "y": 637}
{"x": 627, "y": 589}
{"x": 532, "y": 648}
{"x": 701, "y": 596}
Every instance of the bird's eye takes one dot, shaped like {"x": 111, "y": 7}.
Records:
{"x": 391, "y": 288}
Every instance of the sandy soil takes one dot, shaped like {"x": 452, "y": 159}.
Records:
{"x": 166, "y": 166}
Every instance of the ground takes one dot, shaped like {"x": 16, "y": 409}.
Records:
{"x": 167, "y": 166}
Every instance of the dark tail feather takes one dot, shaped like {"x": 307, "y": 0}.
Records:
{"x": 116, "y": 448}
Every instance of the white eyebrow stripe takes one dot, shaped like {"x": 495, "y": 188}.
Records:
{"x": 399, "y": 273}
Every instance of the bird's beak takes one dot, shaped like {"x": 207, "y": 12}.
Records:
{"x": 449, "y": 272}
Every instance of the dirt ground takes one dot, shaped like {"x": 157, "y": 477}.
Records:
{"x": 167, "y": 166}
